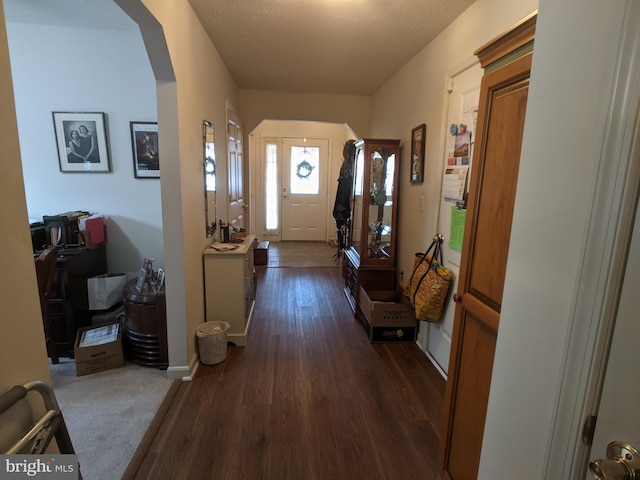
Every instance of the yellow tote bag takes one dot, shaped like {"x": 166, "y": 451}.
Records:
{"x": 429, "y": 283}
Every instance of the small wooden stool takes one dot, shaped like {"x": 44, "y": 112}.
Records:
{"x": 261, "y": 254}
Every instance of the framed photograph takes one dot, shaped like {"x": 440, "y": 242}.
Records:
{"x": 418, "y": 135}
{"x": 160, "y": 279}
{"x": 82, "y": 142}
{"x": 144, "y": 140}
{"x": 147, "y": 264}
{"x": 142, "y": 278}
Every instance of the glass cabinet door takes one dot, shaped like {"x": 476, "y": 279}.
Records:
{"x": 356, "y": 203}
{"x": 374, "y": 199}
{"x": 380, "y": 211}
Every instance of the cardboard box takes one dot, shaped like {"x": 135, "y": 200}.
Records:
{"x": 99, "y": 349}
{"x": 387, "y": 316}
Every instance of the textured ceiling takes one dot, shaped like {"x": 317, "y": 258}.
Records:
{"x": 322, "y": 46}
{"x": 310, "y": 46}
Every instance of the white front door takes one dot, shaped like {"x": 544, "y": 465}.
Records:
{"x": 236, "y": 204}
{"x": 464, "y": 96}
{"x": 619, "y": 413}
{"x": 304, "y": 189}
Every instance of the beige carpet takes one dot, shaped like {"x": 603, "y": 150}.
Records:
{"x": 302, "y": 254}
{"x": 107, "y": 413}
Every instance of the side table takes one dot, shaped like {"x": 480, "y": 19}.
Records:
{"x": 145, "y": 326}
{"x": 261, "y": 254}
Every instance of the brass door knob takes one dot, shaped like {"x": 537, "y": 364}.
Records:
{"x": 622, "y": 463}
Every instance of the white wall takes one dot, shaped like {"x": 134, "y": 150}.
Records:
{"x": 337, "y": 134}
{"x": 354, "y": 110}
{"x": 88, "y": 70}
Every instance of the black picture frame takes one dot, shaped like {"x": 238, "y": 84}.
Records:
{"x": 418, "y": 137}
{"x": 81, "y": 138}
{"x": 144, "y": 144}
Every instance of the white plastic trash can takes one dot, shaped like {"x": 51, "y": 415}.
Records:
{"x": 212, "y": 342}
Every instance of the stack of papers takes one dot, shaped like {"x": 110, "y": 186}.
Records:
{"x": 222, "y": 247}
{"x": 99, "y": 336}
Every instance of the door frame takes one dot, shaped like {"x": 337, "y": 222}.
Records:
{"x": 257, "y": 194}
{"x": 444, "y": 329}
{"x": 604, "y": 256}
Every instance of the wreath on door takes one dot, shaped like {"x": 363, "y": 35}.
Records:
{"x": 304, "y": 170}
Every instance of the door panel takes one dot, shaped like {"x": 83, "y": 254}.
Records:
{"x": 304, "y": 189}
{"x": 236, "y": 206}
{"x": 503, "y": 96}
{"x": 476, "y": 363}
{"x": 494, "y": 204}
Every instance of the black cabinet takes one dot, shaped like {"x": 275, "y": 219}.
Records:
{"x": 68, "y": 303}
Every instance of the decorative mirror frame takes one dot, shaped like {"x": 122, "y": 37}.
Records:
{"x": 209, "y": 169}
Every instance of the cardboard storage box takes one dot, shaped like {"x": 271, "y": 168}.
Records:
{"x": 387, "y": 316}
{"x": 98, "y": 348}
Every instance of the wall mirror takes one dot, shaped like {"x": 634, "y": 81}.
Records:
{"x": 209, "y": 178}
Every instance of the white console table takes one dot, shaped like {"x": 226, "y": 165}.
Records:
{"x": 230, "y": 287}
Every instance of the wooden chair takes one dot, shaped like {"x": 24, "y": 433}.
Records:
{"x": 45, "y": 272}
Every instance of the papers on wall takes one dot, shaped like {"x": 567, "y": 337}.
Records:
{"x": 454, "y": 181}
{"x": 459, "y": 145}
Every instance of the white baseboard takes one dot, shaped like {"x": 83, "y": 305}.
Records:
{"x": 180, "y": 373}
{"x": 431, "y": 359}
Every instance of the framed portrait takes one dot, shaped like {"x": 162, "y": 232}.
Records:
{"x": 144, "y": 141}
{"x": 82, "y": 142}
{"x": 142, "y": 279}
{"x": 160, "y": 279}
{"x": 418, "y": 135}
{"x": 147, "y": 264}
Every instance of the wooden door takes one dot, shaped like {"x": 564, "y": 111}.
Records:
{"x": 503, "y": 100}
{"x": 236, "y": 205}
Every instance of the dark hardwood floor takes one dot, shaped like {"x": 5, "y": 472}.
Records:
{"x": 308, "y": 398}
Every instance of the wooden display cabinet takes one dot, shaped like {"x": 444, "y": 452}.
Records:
{"x": 370, "y": 252}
